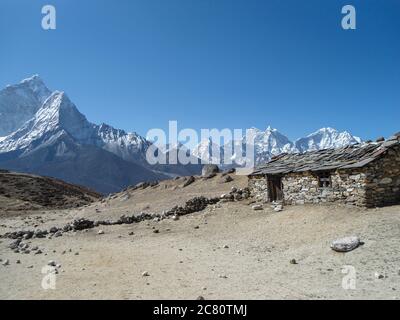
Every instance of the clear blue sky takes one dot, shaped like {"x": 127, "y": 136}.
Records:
{"x": 214, "y": 63}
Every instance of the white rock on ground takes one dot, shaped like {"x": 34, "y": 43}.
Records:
{"x": 257, "y": 207}
{"x": 345, "y": 244}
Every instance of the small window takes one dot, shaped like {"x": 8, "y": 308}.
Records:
{"x": 324, "y": 180}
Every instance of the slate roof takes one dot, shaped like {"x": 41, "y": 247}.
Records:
{"x": 353, "y": 156}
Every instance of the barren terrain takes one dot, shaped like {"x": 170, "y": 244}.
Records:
{"x": 227, "y": 251}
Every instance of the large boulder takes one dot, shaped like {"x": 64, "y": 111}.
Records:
{"x": 209, "y": 170}
{"x": 345, "y": 244}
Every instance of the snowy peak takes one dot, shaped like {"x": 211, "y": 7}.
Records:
{"x": 37, "y": 86}
{"x": 271, "y": 141}
{"x": 326, "y": 138}
{"x": 57, "y": 115}
{"x": 208, "y": 152}
{"x": 20, "y": 102}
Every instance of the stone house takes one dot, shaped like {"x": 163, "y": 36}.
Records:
{"x": 365, "y": 175}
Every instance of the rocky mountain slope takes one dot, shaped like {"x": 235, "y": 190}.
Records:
{"x": 30, "y": 192}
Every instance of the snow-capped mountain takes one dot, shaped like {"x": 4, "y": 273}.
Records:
{"x": 20, "y": 102}
{"x": 208, "y": 152}
{"x": 58, "y": 133}
{"x": 43, "y": 132}
{"x": 271, "y": 142}
{"x": 326, "y": 138}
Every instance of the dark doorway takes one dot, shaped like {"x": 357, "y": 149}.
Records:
{"x": 275, "y": 192}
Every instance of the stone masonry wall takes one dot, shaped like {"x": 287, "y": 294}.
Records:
{"x": 347, "y": 187}
{"x": 258, "y": 188}
{"x": 383, "y": 180}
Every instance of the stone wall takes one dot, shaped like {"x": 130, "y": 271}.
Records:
{"x": 258, "y": 188}
{"x": 346, "y": 187}
{"x": 383, "y": 180}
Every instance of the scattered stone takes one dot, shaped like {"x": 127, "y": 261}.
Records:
{"x": 6, "y": 262}
{"x": 38, "y": 252}
{"x": 189, "y": 181}
{"x": 15, "y": 244}
{"x": 226, "y": 246}
{"x": 100, "y": 232}
{"x": 175, "y": 218}
{"x": 130, "y": 233}
{"x": 379, "y": 275}
{"x": 18, "y": 262}
{"x": 197, "y": 227}
{"x": 257, "y": 207}
{"x": 345, "y": 244}
{"x": 293, "y": 261}
{"x": 209, "y": 169}
{"x": 156, "y": 231}
{"x": 200, "y": 298}
{"x": 58, "y": 234}
{"x": 222, "y": 276}
{"x": 226, "y": 179}
{"x": 145, "y": 274}
{"x": 52, "y": 263}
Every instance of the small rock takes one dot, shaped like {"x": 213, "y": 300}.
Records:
{"x": 200, "y": 298}
{"x": 6, "y": 262}
{"x": 18, "y": 262}
{"x": 226, "y": 246}
{"x": 257, "y": 207}
{"x": 145, "y": 274}
{"x": 345, "y": 244}
{"x": 226, "y": 179}
{"x": 293, "y": 261}
{"x": 100, "y": 232}
{"x": 52, "y": 263}
{"x": 379, "y": 275}
{"x": 222, "y": 276}
{"x": 156, "y": 231}
{"x": 175, "y": 218}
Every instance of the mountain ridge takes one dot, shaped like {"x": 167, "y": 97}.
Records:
{"x": 46, "y": 126}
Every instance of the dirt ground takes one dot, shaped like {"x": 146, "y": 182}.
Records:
{"x": 227, "y": 251}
